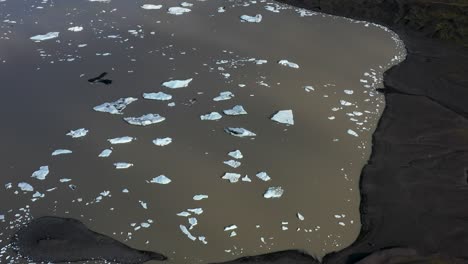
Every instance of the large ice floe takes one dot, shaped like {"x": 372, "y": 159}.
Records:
{"x": 211, "y": 116}
{"x": 176, "y": 84}
{"x": 116, "y": 107}
{"x": 263, "y": 176}
{"x": 25, "y": 187}
{"x": 284, "y": 117}
{"x": 236, "y": 110}
{"x": 145, "y": 120}
{"x": 288, "y": 64}
{"x": 237, "y": 154}
{"x": 81, "y": 132}
{"x": 251, "y": 19}
{"x": 161, "y": 179}
{"x": 239, "y": 132}
{"x": 160, "y": 96}
{"x": 273, "y": 192}
{"x": 231, "y": 177}
{"x": 41, "y": 173}
{"x": 232, "y": 163}
{"x": 50, "y": 35}
{"x": 121, "y": 140}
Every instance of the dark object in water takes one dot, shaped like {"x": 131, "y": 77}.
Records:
{"x": 282, "y": 257}
{"x": 100, "y": 79}
{"x": 56, "y": 239}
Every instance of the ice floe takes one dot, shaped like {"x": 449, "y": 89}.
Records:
{"x": 161, "y": 179}
{"x": 162, "y": 141}
{"x": 263, "y": 176}
{"x": 223, "y": 96}
{"x": 251, "y": 19}
{"x": 348, "y": 91}
{"x": 200, "y": 197}
{"x": 122, "y": 165}
{"x": 288, "y": 64}
{"x": 246, "y": 179}
{"x": 151, "y": 7}
{"x": 105, "y": 153}
{"x": 121, "y": 140}
{"x": 232, "y": 163}
{"x": 145, "y": 120}
{"x": 160, "y": 96}
{"x": 186, "y": 4}
{"x": 78, "y": 133}
{"x": 231, "y": 177}
{"x": 352, "y": 133}
{"x": 309, "y": 88}
{"x": 75, "y": 29}
{"x": 61, "y": 152}
{"x": 42, "y": 173}
{"x": 237, "y": 154}
{"x": 300, "y": 216}
{"x": 178, "y": 10}
{"x": 239, "y": 132}
{"x": 211, "y": 116}
{"x": 50, "y": 35}
{"x": 193, "y": 222}
{"x": 187, "y": 232}
{"x": 273, "y": 192}
{"x": 284, "y": 117}
{"x": 115, "y": 107}
{"x": 143, "y": 204}
{"x": 230, "y": 228}
{"x": 175, "y": 84}
{"x": 184, "y": 214}
{"x": 25, "y": 187}
{"x": 197, "y": 211}
{"x": 236, "y": 110}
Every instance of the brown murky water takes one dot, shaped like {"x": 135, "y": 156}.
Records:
{"x": 317, "y": 161}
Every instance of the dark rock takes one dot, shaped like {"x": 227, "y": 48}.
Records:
{"x": 282, "y": 257}
{"x": 55, "y": 239}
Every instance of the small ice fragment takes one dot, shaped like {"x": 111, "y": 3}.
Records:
{"x": 246, "y": 179}
{"x": 230, "y": 228}
{"x": 197, "y": 211}
{"x": 61, "y": 152}
{"x": 263, "y": 176}
{"x": 122, "y": 165}
{"x": 187, "y": 232}
{"x": 193, "y": 222}
{"x": 348, "y": 91}
{"x": 300, "y": 216}
{"x": 203, "y": 239}
{"x": 221, "y": 9}
{"x": 237, "y": 154}
{"x": 145, "y": 225}
{"x": 260, "y": 62}
{"x": 121, "y": 140}
{"x": 105, "y": 193}
{"x": 284, "y": 228}
{"x": 75, "y": 29}
{"x": 352, "y": 133}
{"x": 200, "y": 197}
{"x": 309, "y": 88}
{"x": 2, "y": 217}
{"x": 239, "y": 132}
{"x": 125, "y": 191}
{"x": 105, "y": 153}
{"x": 223, "y": 96}
{"x": 251, "y": 19}
{"x": 178, "y": 10}
{"x": 42, "y": 173}
{"x": 171, "y": 104}
{"x": 186, "y": 4}
{"x": 184, "y": 214}
{"x": 162, "y": 141}
{"x": 151, "y": 7}
{"x": 143, "y": 204}
{"x": 288, "y": 64}
{"x": 25, "y": 187}
{"x": 232, "y": 177}
{"x": 175, "y": 84}
{"x": 65, "y": 180}
{"x": 161, "y": 179}
{"x": 233, "y": 234}
{"x": 157, "y": 96}
{"x": 284, "y": 117}
{"x": 50, "y": 35}
{"x": 232, "y": 163}
{"x": 341, "y": 223}
{"x": 236, "y": 110}
{"x": 273, "y": 192}
{"x": 345, "y": 103}
{"x": 78, "y": 133}
{"x": 145, "y": 120}
{"x": 38, "y": 195}
{"x": 211, "y": 116}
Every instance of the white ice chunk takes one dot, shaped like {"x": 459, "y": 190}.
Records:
{"x": 211, "y": 116}
{"x": 236, "y": 110}
{"x": 232, "y": 163}
{"x": 246, "y": 179}
{"x": 175, "y": 84}
{"x": 157, "y": 96}
{"x": 233, "y": 234}
{"x": 193, "y": 222}
{"x": 143, "y": 204}
{"x": 151, "y": 7}
{"x": 2, "y": 217}
{"x": 105, "y": 153}
{"x": 25, "y": 187}
{"x": 178, "y": 10}
{"x": 288, "y": 64}
{"x": 237, "y": 154}
{"x": 251, "y": 19}
{"x": 38, "y": 195}
{"x": 223, "y": 96}
{"x": 309, "y": 88}
{"x": 348, "y": 91}
{"x": 184, "y": 214}
{"x": 186, "y": 4}
{"x": 161, "y": 179}
{"x": 260, "y": 62}
{"x": 50, "y": 35}
{"x": 352, "y": 133}
{"x": 300, "y": 216}
{"x": 197, "y": 211}
{"x": 75, "y": 29}
{"x": 239, "y": 132}
{"x": 284, "y": 117}
{"x": 203, "y": 239}
{"x": 121, "y": 140}
{"x": 122, "y": 165}
{"x": 232, "y": 177}
{"x": 116, "y": 107}
{"x": 200, "y": 197}
{"x": 273, "y": 192}
{"x": 78, "y": 133}
{"x": 187, "y": 232}
{"x": 345, "y": 103}
{"x": 61, "y": 152}
{"x": 65, "y": 180}
{"x": 162, "y": 141}
{"x": 145, "y": 120}
{"x": 230, "y": 228}
{"x": 263, "y": 176}
{"x": 42, "y": 173}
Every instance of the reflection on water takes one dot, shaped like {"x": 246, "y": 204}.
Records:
{"x": 212, "y": 83}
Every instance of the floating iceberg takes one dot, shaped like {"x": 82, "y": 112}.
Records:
{"x": 236, "y": 110}
{"x": 211, "y": 116}
{"x": 50, "y": 35}
{"x": 263, "y": 176}
{"x": 186, "y": 4}
{"x": 288, "y": 64}
{"x": 143, "y": 204}
{"x": 348, "y": 91}
{"x": 239, "y": 132}
{"x": 105, "y": 153}
{"x": 178, "y": 10}
{"x": 223, "y": 96}
{"x": 246, "y": 179}
{"x": 25, "y": 187}
{"x": 187, "y": 232}
{"x": 309, "y": 88}
{"x": 121, "y": 140}
{"x": 230, "y": 228}
{"x": 260, "y": 62}
{"x": 193, "y": 222}
{"x": 75, "y": 29}
{"x": 161, "y": 179}
{"x": 184, "y": 214}
{"x": 175, "y": 84}
{"x": 162, "y": 141}
{"x": 200, "y": 197}
{"x": 273, "y": 192}
{"x": 122, "y": 165}
{"x": 284, "y": 117}
{"x": 237, "y": 154}
{"x": 115, "y": 107}
{"x": 61, "y": 152}
{"x": 300, "y": 216}
{"x": 197, "y": 211}
{"x": 232, "y": 177}
{"x": 145, "y": 120}
{"x": 42, "y": 173}
{"x": 203, "y": 239}
{"x": 352, "y": 133}
{"x": 251, "y": 19}
{"x": 233, "y": 234}
{"x": 151, "y": 7}
{"x": 157, "y": 96}
{"x": 78, "y": 133}
{"x": 232, "y": 163}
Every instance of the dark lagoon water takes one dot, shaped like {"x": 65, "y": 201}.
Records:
{"x": 326, "y": 80}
